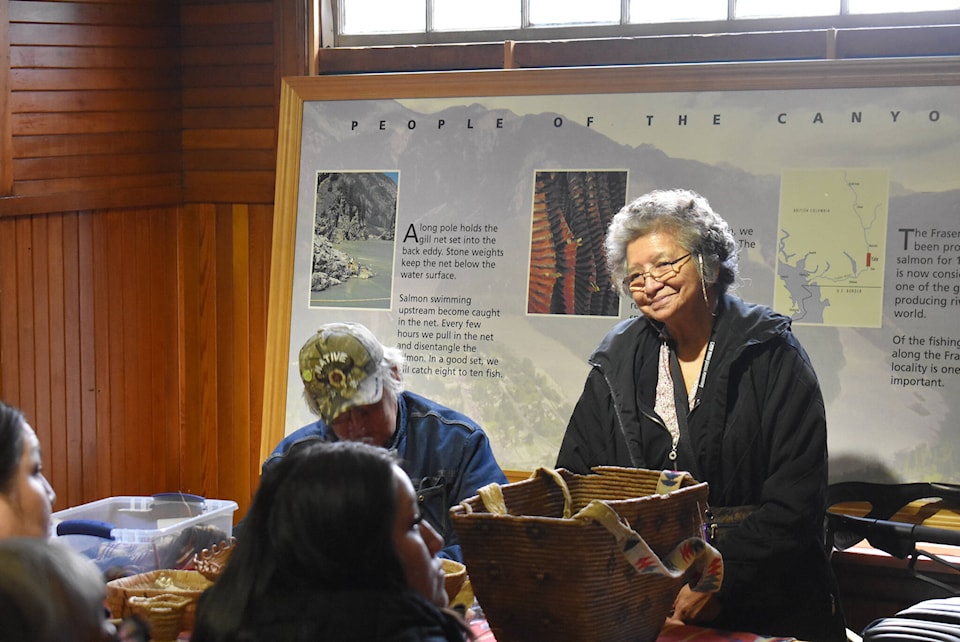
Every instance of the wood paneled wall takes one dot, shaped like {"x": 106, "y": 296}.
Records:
{"x": 135, "y": 234}
{"x": 89, "y": 326}
{"x": 94, "y": 105}
{"x": 230, "y": 96}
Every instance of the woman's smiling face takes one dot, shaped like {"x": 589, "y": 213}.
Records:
{"x": 674, "y": 296}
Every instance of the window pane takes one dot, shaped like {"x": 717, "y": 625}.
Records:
{"x": 377, "y": 16}
{"x": 451, "y": 15}
{"x": 898, "y": 6}
{"x": 651, "y": 11}
{"x": 786, "y": 8}
{"x": 566, "y": 12}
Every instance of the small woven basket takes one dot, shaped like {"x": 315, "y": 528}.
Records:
{"x": 540, "y": 576}
{"x": 454, "y": 576}
{"x": 188, "y": 584}
{"x": 164, "y": 613}
{"x": 210, "y": 561}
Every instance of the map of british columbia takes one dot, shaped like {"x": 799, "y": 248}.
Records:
{"x": 832, "y": 235}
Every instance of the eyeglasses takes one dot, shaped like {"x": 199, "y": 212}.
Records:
{"x": 659, "y": 273}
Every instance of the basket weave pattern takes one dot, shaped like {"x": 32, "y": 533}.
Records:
{"x": 454, "y": 576}
{"x": 539, "y": 576}
{"x": 163, "y": 612}
{"x": 210, "y": 562}
{"x": 188, "y": 584}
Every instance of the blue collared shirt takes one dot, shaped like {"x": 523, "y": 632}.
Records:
{"x": 445, "y": 453}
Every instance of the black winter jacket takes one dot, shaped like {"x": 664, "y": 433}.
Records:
{"x": 757, "y": 436}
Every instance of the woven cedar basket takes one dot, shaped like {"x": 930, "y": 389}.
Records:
{"x": 454, "y": 577}
{"x": 189, "y": 584}
{"x": 210, "y": 562}
{"x": 164, "y": 614}
{"x": 539, "y": 576}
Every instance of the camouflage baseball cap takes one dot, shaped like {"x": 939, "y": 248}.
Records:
{"x": 340, "y": 369}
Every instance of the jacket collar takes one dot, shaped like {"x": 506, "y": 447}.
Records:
{"x": 739, "y": 324}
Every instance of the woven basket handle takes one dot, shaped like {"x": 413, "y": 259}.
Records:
{"x": 492, "y": 495}
{"x": 693, "y": 557}
{"x": 561, "y": 483}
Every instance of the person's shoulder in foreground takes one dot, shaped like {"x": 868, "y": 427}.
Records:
{"x": 50, "y": 593}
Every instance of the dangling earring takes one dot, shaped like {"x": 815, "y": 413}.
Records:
{"x": 703, "y": 284}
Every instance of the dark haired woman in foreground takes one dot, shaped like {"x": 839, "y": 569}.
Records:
{"x": 334, "y": 548}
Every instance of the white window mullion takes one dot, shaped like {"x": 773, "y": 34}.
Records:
{"x": 351, "y": 23}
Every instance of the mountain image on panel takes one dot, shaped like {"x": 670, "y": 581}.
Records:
{"x": 350, "y": 206}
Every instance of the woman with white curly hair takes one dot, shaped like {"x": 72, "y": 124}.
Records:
{"x": 704, "y": 382}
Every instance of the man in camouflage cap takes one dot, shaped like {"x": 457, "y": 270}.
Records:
{"x": 353, "y": 384}
{"x": 341, "y": 369}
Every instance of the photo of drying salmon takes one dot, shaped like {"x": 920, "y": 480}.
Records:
{"x": 568, "y": 272}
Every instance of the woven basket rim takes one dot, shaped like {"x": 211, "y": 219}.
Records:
{"x": 160, "y": 598}
{"x": 460, "y": 511}
{"x": 194, "y": 581}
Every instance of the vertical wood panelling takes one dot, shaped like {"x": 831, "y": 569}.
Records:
{"x": 226, "y": 359}
{"x": 85, "y": 415}
{"x": 89, "y": 346}
{"x": 9, "y": 320}
{"x": 100, "y": 289}
{"x": 206, "y": 358}
{"x": 49, "y": 261}
{"x": 164, "y": 247}
{"x": 189, "y": 346}
{"x": 40, "y": 353}
{"x": 260, "y": 240}
{"x": 70, "y": 417}
{"x": 111, "y": 349}
{"x": 239, "y": 434}
{"x": 133, "y": 463}
{"x": 201, "y": 338}
{"x": 25, "y": 328}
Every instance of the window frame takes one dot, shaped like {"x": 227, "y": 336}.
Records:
{"x": 329, "y": 36}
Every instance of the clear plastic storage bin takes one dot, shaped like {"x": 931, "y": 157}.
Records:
{"x": 128, "y": 535}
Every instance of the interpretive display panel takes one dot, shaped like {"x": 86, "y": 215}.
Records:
{"x": 461, "y": 217}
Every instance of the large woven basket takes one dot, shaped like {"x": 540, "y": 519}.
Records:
{"x": 539, "y": 576}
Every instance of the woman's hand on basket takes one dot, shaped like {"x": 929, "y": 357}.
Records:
{"x": 693, "y": 607}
